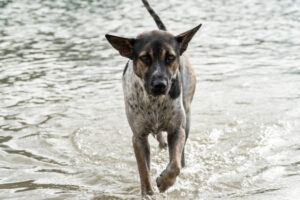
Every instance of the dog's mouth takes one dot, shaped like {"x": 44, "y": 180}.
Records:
{"x": 156, "y": 92}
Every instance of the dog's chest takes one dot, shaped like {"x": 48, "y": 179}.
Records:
{"x": 146, "y": 112}
{"x": 153, "y": 113}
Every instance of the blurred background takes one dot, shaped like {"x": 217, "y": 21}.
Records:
{"x": 63, "y": 130}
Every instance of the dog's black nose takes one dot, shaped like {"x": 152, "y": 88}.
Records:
{"x": 159, "y": 85}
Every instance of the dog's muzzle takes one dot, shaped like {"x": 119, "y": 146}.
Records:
{"x": 159, "y": 86}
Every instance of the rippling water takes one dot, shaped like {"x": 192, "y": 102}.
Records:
{"x": 63, "y": 130}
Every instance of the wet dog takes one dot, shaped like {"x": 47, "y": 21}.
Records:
{"x": 159, "y": 85}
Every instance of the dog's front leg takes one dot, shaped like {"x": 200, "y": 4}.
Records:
{"x": 142, "y": 154}
{"x": 167, "y": 178}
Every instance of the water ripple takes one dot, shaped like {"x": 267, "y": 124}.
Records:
{"x": 62, "y": 117}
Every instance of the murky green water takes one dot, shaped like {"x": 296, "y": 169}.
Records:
{"x": 63, "y": 130}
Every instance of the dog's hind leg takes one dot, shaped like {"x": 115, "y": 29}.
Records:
{"x": 187, "y": 130}
{"x": 161, "y": 140}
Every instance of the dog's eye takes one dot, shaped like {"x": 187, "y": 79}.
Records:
{"x": 170, "y": 59}
{"x": 146, "y": 59}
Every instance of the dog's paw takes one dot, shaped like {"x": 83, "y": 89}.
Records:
{"x": 163, "y": 145}
{"x": 147, "y": 193}
{"x": 165, "y": 180}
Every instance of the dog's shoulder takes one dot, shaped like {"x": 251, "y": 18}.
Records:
{"x": 186, "y": 74}
{"x": 188, "y": 77}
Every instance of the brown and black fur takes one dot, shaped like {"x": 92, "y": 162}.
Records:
{"x": 159, "y": 85}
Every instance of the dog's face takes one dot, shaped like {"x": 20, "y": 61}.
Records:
{"x": 156, "y": 60}
{"x": 155, "y": 56}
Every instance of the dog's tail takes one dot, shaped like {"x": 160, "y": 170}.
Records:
{"x": 156, "y": 18}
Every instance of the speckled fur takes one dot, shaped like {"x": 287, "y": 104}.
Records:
{"x": 148, "y": 114}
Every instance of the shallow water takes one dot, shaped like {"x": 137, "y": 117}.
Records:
{"x": 63, "y": 130}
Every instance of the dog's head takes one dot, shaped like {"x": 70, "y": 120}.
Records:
{"x": 155, "y": 56}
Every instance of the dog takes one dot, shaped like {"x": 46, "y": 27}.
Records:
{"x": 158, "y": 85}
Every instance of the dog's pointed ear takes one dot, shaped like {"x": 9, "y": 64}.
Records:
{"x": 123, "y": 45}
{"x": 184, "y": 38}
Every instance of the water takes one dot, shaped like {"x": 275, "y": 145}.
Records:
{"x": 63, "y": 130}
